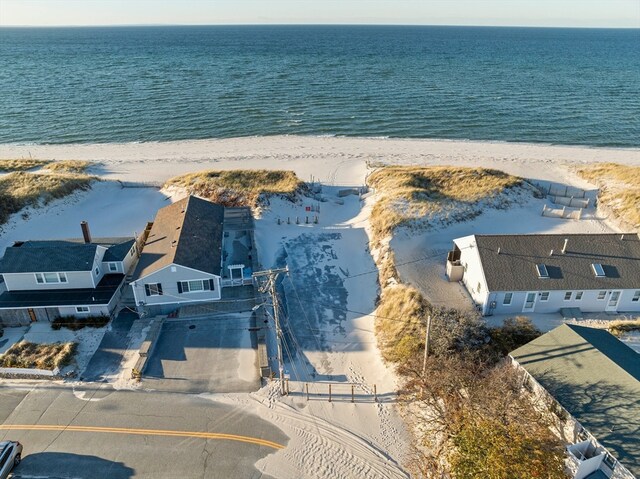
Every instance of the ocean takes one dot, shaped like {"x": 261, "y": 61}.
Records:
{"x": 135, "y": 84}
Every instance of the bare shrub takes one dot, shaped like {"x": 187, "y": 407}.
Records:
{"x": 38, "y": 356}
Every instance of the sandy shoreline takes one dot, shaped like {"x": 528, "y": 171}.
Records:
{"x": 334, "y": 160}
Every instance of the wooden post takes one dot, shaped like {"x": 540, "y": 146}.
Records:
{"x": 426, "y": 345}
{"x": 375, "y": 393}
{"x": 352, "y": 395}
{"x": 329, "y": 392}
{"x": 306, "y": 385}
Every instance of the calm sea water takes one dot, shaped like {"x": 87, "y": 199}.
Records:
{"x": 564, "y": 86}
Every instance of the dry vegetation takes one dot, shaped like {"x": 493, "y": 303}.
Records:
{"x": 619, "y": 189}
{"x": 38, "y": 356}
{"x": 21, "y": 189}
{"x": 21, "y": 164}
{"x": 239, "y": 187}
{"x": 68, "y": 166}
{"x": 408, "y": 193}
{"x": 621, "y": 326}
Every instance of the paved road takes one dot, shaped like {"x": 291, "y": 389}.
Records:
{"x": 101, "y": 433}
{"x": 216, "y": 354}
{"x": 114, "y": 343}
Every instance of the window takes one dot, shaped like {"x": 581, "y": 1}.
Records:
{"x": 507, "y": 298}
{"x": 601, "y": 295}
{"x": 97, "y": 271}
{"x": 51, "y": 278}
{"x": 579, "y": 295}
{"x": 113, "y": 266}
{"x": 636, "y": 296}
{"x": 133, "y": 250}
{"x": 196, "y": 285}
{"x": 544, "y": 296}
{"x": 153, "y": 289}
{"x": 479, "y": 287}
{"x": 598, "y": 270}
{"x": 567, "y": 296}
{"x": 542, "y": 271}
{"x": 82, "y": 309}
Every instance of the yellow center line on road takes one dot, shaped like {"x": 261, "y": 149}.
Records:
{"x": 142, "y": 432}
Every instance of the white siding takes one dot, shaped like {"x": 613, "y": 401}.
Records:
{"x": 169, "y": 280}
{"x": 588, "y": 304}
{"x": 473, "y": 277}
{"x": 27, "y": 281}
{"x": 100, "y": 310}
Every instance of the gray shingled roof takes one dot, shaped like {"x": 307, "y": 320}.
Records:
{"x": 188, "y": 233}
{"x": 117, "y": 247}
{"x": 595, "y": 377}
{"x": 77, "y": 257}
{"x": 61, "y": 255}
{"x": 514, "y": 268}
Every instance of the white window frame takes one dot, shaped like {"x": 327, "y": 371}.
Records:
{"x": 579, "y": 295}
{"x": 83, "y": 309}
{"x": 636, "y": 296}
{"x": 113, "y": 267}
{"x": 186, "y": 287}
{"x": 151, "y": 289}
{"x": 97, "y": 271}
{"x": 504, "y": 300}
{"x": 543, "y": 297}
{"x": 42, "y": 279}
{"x": 602, "y": 295}
{"x": 570, "y": 293}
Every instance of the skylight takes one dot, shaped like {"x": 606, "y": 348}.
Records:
{"x": 598, "y": 270}
{"x": 542, "y": 271}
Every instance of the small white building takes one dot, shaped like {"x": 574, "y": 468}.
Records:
{"x": 511, "y": 274}
{"x": 181, "y": 260}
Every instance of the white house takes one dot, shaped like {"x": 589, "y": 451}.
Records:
{"x": 181, "y": 260}
{"x": 511, "y": 274}
{"x": 46, "y": 279}
{"x": 591, "y": 380}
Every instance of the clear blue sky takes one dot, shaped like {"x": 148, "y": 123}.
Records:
{"x": 573, "y": 13}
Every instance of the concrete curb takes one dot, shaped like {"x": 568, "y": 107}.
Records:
{"x": 147, "y": 347}
{"x": 24, "y": 373}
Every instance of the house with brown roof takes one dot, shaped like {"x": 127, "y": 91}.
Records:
{"x": 546, "y": 273}
{"x": 181, "y": 261}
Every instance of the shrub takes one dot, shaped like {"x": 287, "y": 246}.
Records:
{"x": 74, "y": 323}
{"x": 68, "y": 166}
{"x": 514, "y": 332}
{"x": 38, "y": 356}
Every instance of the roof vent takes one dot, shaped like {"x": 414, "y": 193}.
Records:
{"x": 551, "y": 253}
{"x": 564, "y": 247}
{"x": 499, "y": 249}
{"x": 542, "y": 271}
{"x": 598, "y": 270}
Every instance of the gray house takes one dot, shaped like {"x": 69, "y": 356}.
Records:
{"x": 511, "y": 274}
{"x": 46, "y": 279}
{"x": 592, "y": 381}
{"x": 181, "y": 260}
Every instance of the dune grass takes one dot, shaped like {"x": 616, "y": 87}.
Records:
{"x": 619, "y": 189}
{"x": 407, "y": 193}
{"x": 621, "y": 326}
{"x": 68, "y": 166}
{"x": 238, "y": 187}
{"x": 21, "y": 189}
{"x": 38, "y": 356}
{"x": 21, "y": 164}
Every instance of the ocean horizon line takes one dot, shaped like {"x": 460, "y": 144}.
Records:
{"x": 415, "y": 25}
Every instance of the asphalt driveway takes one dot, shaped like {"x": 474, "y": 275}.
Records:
{"x": 215, "y": 354}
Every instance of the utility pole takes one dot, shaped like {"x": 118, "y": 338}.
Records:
{"x": 270, "y": 287}
{"x": 426, "y": 345}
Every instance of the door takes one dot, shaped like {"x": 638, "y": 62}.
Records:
{"x": 529, "y": 302}
{"x": 614, "y": 299}
{"x": 32, "y": 315}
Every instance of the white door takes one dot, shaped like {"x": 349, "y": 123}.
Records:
{"x": 529, "y": 302}
{"x": 612, "y": 302}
